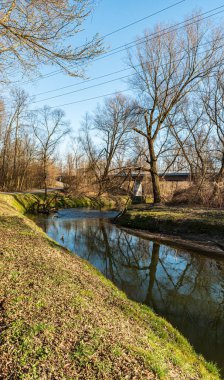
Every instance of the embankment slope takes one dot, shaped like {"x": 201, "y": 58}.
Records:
{"x": 61, "y": 319}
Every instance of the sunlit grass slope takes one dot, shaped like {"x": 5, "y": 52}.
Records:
{"x": 175, "y": 220}
{"x": 61, "y": 319}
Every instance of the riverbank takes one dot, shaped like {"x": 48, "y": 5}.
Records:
{"x": 197, "y": 229}
{"x": 61, "y": 319}
{"x": 28, "y": 203}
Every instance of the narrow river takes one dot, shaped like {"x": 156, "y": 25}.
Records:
{"x": 184, "y": 287}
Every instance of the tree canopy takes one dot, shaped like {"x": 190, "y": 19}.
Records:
{"x": 36, "y": 32}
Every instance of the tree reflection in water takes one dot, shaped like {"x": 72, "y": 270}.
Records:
{"x": 186, "y": 288}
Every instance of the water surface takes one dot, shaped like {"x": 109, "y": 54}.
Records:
{"x": 184, "y": 287}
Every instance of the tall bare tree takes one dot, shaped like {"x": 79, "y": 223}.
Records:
{"x": 167, "y": 68}
{"x": 112, "y": 124}
{"x": 192, "y": 133}
{"x": 49, "y": 127}
{"x": 213, "y": 98}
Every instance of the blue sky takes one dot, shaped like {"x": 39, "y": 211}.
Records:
{"x": 108, "y": 16}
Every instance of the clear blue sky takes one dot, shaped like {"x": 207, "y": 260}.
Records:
{"x": 108, "y": 16}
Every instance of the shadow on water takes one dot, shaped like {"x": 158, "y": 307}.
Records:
{"x": 185, "y": 288}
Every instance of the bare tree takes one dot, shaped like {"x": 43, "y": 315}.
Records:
{"x": 112, "y": 124}
{"x": 167, "y": 68}
{"x": 73, "y": 172}
{"x": 192, "y": 132}
{"x": 213, "y": 98}
{"x": 49, "y": 127}
{"x": 16, "y": 148}
{"x": 36, "y": 32}
{"x": 19, "y": 103}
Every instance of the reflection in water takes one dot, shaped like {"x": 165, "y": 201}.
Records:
{"x": 186, "y": 288}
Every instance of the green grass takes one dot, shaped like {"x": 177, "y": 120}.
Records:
{"x": 27, "y": 203}
{"x": 61, "y": 319}
{"x": 175, "y": 220}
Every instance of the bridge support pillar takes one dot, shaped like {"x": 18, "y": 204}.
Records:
{"x": 138, "y": 192}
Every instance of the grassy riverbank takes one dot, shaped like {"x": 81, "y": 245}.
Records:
{"x": 27, "y": 203}
{"x": 61, "y": 319}
{"x": 175, "y": 220}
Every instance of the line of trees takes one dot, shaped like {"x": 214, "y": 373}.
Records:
{"x": 33, "y": 34}
{"x": 172, "y": 122}
{"x": 28, "y": 141}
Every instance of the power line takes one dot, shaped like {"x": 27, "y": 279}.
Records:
{"x": 125, "y": 76}
{"x": 86, "y": 100}
{"x": 144, "y": 18}
{"x": 167, "y": 30}
{"x": 96, "y": 97}
{"x": 85, "y": 81}
{"x": 85, "y": 88}
{"x": 158, "y": 34}
{"x": 109, "y": 74}
{"x": 119, "y": 71}
{"x": 122, "y": 28}
{"x": 115, "y": 93}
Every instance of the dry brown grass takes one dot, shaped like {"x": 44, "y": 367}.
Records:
{"x": 206, "y": 194}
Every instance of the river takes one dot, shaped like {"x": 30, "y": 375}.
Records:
{"x": 184, "y": 287}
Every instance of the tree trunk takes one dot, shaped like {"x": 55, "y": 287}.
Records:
{"x": 220, "y": 175}
{"x": 45, "y": 177}
{"x": 154, "y": 173}
{"x": 45, "y": 187}
{"x": 15, "y": 173}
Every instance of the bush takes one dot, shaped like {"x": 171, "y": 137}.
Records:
{"x": 209, "y": 194}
